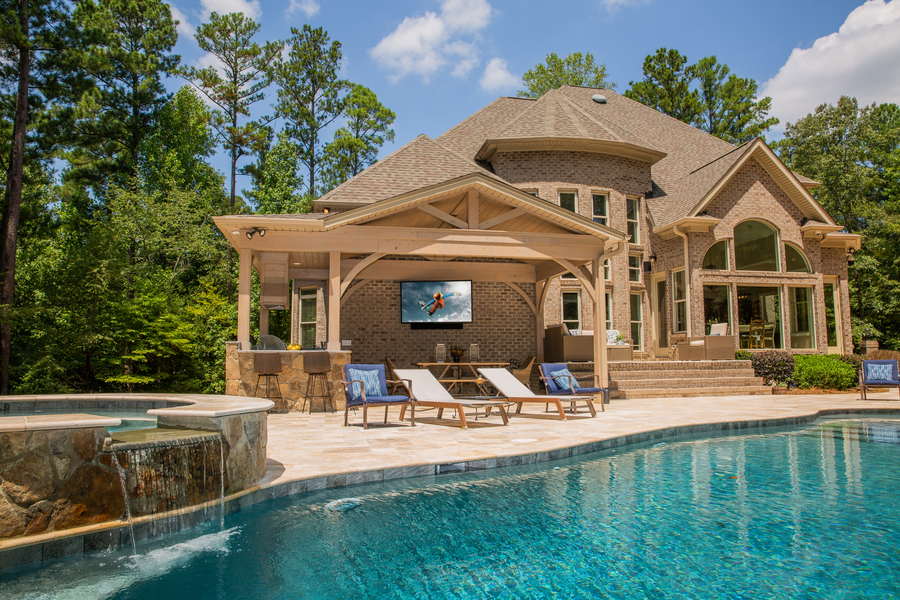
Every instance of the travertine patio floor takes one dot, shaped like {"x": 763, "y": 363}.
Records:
{"x": 303, "y": 446}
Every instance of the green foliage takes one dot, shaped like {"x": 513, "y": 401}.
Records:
{"x": 276, "y": 182}
{"x": 827, "y": 372}
{"x": 310, "y": 95}
{"x": 854, "y": 360}
{"x": 574, "y": 69}
{"x": 773, "y": 366}
{"x": 356, "y": 145}
{"x": 720, "y": 103}
{"x": 743, "y": 355}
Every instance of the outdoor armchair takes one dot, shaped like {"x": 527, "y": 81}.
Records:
{"x": 426, "y": 390}
{"x": 366, "y": 385}
{"x": 558, "y": 381}
{"x": 878, "y": 373}
{"x": 514, "y": 391}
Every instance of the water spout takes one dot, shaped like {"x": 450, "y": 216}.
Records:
{"x": 127, "y": 503}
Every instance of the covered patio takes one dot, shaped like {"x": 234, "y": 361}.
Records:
{"x": 348, "y": 265}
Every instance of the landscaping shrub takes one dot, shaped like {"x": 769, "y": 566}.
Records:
{"x": 774, "y": 366}
{"x": 854, "y": 360}
{"x": 824, "y": 372}
{"x": 882, "y": 355}
{"x": 743, "y": 355}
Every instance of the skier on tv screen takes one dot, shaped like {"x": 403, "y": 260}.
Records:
{"x": 436, "y": 303}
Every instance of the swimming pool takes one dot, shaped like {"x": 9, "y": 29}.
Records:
{"x": 810, "y": 512}
{"x": 130, "y": 419}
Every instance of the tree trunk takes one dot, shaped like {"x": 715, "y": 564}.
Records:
{"x": 14, "y": 188}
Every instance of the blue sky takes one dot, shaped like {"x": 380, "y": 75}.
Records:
{"x": 434, "y": 62}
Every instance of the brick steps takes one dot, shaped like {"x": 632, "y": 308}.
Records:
{"x": 683, "y": 379}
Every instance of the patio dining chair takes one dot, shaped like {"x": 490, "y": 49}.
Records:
{"x": 366, "y": 386}
{"x": 426, "y": 390}
{"x": 558, "y": 381}
{"x": 878, "y": 373}
{"x": 514, "y": 391}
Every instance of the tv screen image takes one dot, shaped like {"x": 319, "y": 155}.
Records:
{"x": 436, "y": 301}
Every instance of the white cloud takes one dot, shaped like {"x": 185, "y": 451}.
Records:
{"x": 310, "y": 7}
{"x": 860, "y": 60}
{"x": 223, "y": 7}
{"x": 425, "y": 44}
{"x": 496, "y": 77}
{"x": 612, "y": 5}
{"x": 184, "y": 27}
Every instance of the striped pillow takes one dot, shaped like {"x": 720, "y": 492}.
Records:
{"x": 879, "y": 372}
{"x": 371, "y": 382}
{"x": 562, "y": 380}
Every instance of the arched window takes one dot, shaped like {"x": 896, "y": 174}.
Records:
{"x": 755, "y": 247}
{"x": 717, "y": 256}
{"x": 795, "y": 261}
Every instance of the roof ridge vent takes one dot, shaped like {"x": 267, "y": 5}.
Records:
{"x": 599, "y": 98}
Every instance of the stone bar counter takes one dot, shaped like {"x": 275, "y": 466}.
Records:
{"x": 241, "y": 377}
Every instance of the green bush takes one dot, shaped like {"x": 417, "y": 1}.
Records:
{"x": 774, "y": 366}
{"x": 823, "y": 372}
{"x": 854, "y": 360}
{"x": 743, "y": 355}
{"x": 882, "y": 355}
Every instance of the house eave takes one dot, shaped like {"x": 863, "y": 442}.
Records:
{"x": 565, "y": 144}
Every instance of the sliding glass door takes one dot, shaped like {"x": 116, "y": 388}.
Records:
{"x": 759, "y": 317}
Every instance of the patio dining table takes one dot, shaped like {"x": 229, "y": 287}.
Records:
{"x": 459, "y": 373}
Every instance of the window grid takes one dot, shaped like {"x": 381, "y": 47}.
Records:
{"x": 601, "y": 209}
{"x": 679, "y": 302}
{"x": 571, "y": 310}
{"x": 633, "y": 210}
{"x": 634, "y": 268}
{"x": 637, "y": 338}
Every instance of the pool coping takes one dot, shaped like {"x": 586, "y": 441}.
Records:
{"x": 26, "y": 552}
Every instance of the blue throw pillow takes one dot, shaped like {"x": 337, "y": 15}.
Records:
{"x": 371, "y": 383}
{"x": 562, "y": 380}
{"x": 879, "y": 372}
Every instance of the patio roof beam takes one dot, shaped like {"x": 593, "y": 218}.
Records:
{"x": 442, "y": 216}
{"x": 582, "y": 277}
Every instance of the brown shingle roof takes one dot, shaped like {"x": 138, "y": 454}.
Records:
{"x": 418, "y": 164}
{"x": 466, "y": 137}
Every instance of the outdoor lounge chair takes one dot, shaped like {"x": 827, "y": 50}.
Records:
{"x": 426, "y": 390}
{"x": 878, "y": 373}
{"x": 368, "y": 390}
{"x": 568, "y": 385}
{"x": 514, "y": 391}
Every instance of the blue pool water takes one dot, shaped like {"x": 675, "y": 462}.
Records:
{"x": 803, "y": 513}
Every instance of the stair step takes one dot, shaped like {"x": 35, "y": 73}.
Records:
{"x": 670, "y": 365}
{"x": 636, "y": 375}
{"x": 688, "y": 392}
{"x": 679, "y": 383}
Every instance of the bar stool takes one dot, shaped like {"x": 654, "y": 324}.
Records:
{"x": 268, "y": 365}
{"x": 317, "y": 365}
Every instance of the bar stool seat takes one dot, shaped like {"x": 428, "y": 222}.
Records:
{"x": 268, "y": 364}
{"x": 317, "y": 365}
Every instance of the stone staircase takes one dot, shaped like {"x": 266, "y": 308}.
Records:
{"x": 681, "y": 379}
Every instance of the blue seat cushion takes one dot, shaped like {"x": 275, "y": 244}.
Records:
{"x": 589, "y": 390}
{"x": 383, "y": 399}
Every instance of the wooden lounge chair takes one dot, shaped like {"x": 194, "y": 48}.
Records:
{"x": 428, "y": 391}
{"x": 514, "y": 391}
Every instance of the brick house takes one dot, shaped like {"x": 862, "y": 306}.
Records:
{"x": 528, "y": 199}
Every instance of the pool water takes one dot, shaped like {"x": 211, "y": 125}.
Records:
{"x": 130, "y": 419}
{"x": 811, "y": 513}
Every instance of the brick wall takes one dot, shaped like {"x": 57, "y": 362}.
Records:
{"x": 503, "y": 325}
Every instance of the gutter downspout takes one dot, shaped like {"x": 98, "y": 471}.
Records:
{"x": 687, "y": 276}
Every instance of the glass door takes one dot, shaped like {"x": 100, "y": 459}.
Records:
{"x": 832, "y": 316}
{"x": 659, "y": 316}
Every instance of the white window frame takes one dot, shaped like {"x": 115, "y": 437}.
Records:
{"x": 562, "y": 298}
{"x": 636, "y": 344}
{"x": 607, "y": 271}
{"x": 307, "y": 293}
{"x": 633, "y": 269}
{"x": 676, "y": 301}
{"x": 636, "y": 238}
{"x": 604, "y": 218}
{"x": 575, "y": 199}
{"x": 608, "y": 312}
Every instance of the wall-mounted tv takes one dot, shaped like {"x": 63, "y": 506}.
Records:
{"x": 436, "y": 302}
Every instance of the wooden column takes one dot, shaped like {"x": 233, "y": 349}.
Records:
{"x": 539, "y": 319}
{"x": 263, "y": 321}
{"x": 601, "y": 369}
{"x": 334, "y": 301}
{"x": 246, "y": 264}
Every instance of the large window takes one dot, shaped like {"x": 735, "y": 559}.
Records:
{"x": 755, "y": 247}
{"x": 717, "y": 306}
{"x": 637, "y": 338}
{"x": 802, "y": 322}
{"x": 632, "y": 214}
{"x": 601, "y": 209}
{"x": 634, "y": 268}
{"x": 759, "y": 317}
{"x": 679, "y": 302}
{"x": 717, "y": 256}
{"x": 794, "y": 260}
{"x": 571, "y": 310}
{"x": 568, "y": 200}
{"x": 308, "y": 317}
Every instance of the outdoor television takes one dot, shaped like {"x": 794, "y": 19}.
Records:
{"x": 436, "y": 302}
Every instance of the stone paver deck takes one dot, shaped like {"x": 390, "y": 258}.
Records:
{"x": 303, "y": 446}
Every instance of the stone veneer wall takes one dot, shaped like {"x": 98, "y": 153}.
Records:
{"x": 240, "y": 379}
{"x": 502, "y": 325}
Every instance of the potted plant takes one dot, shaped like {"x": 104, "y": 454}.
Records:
{"x": 620, "y": 339}
{"x": 456, "y": 353}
